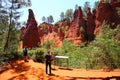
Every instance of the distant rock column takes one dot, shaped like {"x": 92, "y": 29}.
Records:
{"x": 31, "y": 35}
{"x": 77, "y": 27}
{"x": 90, "y": 25}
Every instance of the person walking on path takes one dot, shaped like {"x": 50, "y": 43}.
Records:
{"x": 25, "y": 53}
{"x": 48, "y": 58}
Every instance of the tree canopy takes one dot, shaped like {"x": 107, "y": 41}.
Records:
{"x": 50, "y": 19}
{"x": 9, "y": 15}
{"x": 69, "y": 14}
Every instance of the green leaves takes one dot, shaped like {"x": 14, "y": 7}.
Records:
{"x": 9, "y": 33}
{"x": 48, "y": 44}
{"x": 69, "y": 15}
{"x": 103, "y": 51}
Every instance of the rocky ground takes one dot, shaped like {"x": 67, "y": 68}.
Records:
{"x": 20, "y": 70}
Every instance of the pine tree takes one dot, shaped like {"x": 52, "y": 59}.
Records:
{"x": 69, "y": 14}
{"x": 62, "y": 16}
{"x": 50, "y": 19}
{"x": 43, "y": 19}
{"x": 9, "y": 22}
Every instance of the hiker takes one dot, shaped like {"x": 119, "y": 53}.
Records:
{"x": 25, "y": 53}
{"x": 48, "y": 58}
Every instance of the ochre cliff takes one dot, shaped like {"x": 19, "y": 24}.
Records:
{"x": 78, "y": 30}
{"x": 30, "y": 37}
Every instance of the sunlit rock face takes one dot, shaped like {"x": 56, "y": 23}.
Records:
{"x": 77, "y": 28}
{"x": 31, "y": 35}
{"x": 44, "y": 29}
{"x": 80, "y": 29}
{"x": 52, "y": 33}
{"x": 107, "y": 12}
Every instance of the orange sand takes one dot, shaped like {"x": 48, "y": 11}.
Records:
{"x": 20, "y": 70}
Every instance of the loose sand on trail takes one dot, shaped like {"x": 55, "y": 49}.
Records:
{"x": 20, "y": 70}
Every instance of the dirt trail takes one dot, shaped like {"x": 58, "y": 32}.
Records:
{"x": 20, "y": 70}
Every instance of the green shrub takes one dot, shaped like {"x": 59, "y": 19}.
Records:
{"x": 103, "y": 51}
{"x": 37, "y": 54}
{"x": 6, "y": 57}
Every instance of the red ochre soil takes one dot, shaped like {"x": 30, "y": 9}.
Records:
{"x": 20, "y": 70}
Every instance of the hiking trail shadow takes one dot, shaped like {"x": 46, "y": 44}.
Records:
{"x": 19, "y": 66}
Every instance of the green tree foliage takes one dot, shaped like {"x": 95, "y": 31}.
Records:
{"x": 37, "y": 54}
{"x": 48, "y": 45}
{"x": 118, "y": 10}
{"x": 43, "y": 19}
{"x": 70, "y": 50}
{"x": 62, "y": 16}
{"x": 86, "y": 6}
{"x": 50, "y": 19}
{"x": 96, "y": 5}
{"x": 69, "y": 15}
{"x": 76, "y": 6}
{"x": 103, "y": 51}
{"x": 43, "y": 27}
{"x": 9, "y": 16}
{"x": 106, "y": 1}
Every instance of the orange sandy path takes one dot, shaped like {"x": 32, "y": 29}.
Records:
{"x": 20, "y": 70}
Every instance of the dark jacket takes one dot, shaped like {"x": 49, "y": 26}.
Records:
{"x": 48, "y": 58}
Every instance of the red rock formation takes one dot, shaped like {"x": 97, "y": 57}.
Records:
{"x": 44, "y": 28}
{"x": 94, "y": 14}
{"x": 31, "y": 36}
{"x": 51, "y": 33}
{"x": 62, "y": 29}
{"x": 74, "y": 33}
{"x": 77, "y": 31}
{"x": 22, "y": 33}
{"x": 106, "y": 12}
{"x": 115, "y": 3}
{"x": 90, "y": 25}
{"x": 55, "y": 28}
{"x": 65, "y": 23}
{"x": 53, "y": 37}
